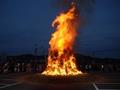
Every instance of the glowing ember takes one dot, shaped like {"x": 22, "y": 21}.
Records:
{"x": 61, "y": 60}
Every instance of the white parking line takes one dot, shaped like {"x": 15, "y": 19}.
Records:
{"x": 96, "y": 88}
{"x": 3, "y": 84}
{"x": 8, "y": 85}
{"x": 109, "y": 89}
{"x": 9, "y": 79}
{"x": 107, "y": 83}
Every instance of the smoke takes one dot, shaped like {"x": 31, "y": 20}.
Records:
{"x": 85, "y": 7}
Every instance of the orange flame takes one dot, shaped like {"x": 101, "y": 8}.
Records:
{"x": 61, "y": 60}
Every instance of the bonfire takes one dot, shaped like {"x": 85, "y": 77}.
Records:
{"x": 61, "y": 59}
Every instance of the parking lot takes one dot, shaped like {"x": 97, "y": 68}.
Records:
{"x": 34, "y": 81}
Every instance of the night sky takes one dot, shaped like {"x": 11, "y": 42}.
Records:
{"x": 24, "y": 23}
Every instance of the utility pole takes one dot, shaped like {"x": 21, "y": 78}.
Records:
{"x": 36, "y": 50}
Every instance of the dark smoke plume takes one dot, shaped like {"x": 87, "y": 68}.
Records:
{"x": 85, "y": 7}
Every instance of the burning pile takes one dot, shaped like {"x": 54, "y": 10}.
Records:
{"x": 61, "y": 60}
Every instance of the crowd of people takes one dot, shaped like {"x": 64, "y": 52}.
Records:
{"x": 39, "y": 67}
{"x": 100, "y": 67}
{"x": 20, "y": 67}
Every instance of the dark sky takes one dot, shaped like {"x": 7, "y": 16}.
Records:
{"x": 24, "y": 23}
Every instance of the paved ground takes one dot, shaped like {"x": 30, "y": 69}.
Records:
{"x": 30, "y": 81}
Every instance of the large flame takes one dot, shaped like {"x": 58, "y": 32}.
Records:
{"x": 61, "y": 60}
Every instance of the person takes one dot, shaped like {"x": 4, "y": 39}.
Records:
{"x": 28, "y": 67}
{"x": 18, "y": 67}
{"x": 23, "y": 67}
{"x": 5, "y": 67}
{"x": 102, "y": 68}
{"x": 0, "y": 68}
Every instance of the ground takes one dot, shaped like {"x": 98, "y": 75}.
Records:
{"x": 36, "y": 81}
